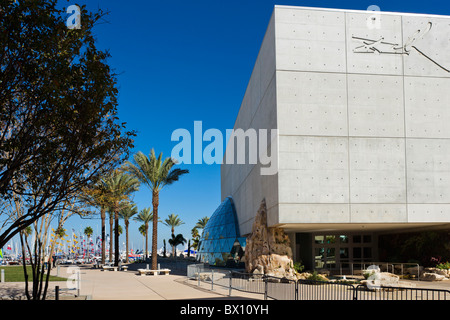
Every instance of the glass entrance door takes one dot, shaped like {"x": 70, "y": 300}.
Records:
{"x": 339, "y": 251}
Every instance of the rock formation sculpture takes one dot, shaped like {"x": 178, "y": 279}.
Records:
{"x": 268, "y": 250}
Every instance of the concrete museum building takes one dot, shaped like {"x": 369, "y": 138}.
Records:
{"x": 361, "y": 102}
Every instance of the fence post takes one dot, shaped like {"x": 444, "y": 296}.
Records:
{"x": 212, "y": 279}
{"x": 265, "y": 287}
{"x": 78, "y": 283}
{"x": 296, "y": 290}
{"x": 231, "y": 283}
{"x": 198, "y": 274}
{"x": 418, "y": 272}
{"x": 56, "y": 292}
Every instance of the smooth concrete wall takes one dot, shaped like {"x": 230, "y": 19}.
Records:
{"x": 258, "y": 111}
{"x": 364, "y": 137}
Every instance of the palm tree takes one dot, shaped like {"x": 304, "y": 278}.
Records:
{"x": 126, "y": 213}
{"x": 27, "y": 231}
{"x": 111, "y": 231}
{"x": 164, "y": 246}
{"x": 176, "y": 240}
{"x": 120, "y": 185}
{"x": 88, "y": 232}
{"x": 143, "y": 231}
{"x": 97, "y": 196}
{"x": 173, "y": 221}
{"x": 189, "y": 248}
{"x": 195, "y": 237}
{"x": 156, "y": 174}
{"x": 145, "y": 216}
{"x": 201, "y": 223}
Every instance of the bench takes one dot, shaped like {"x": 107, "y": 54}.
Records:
{"x": 111, "y": 268}
{"x": 115, "y": 268}
{"x": 144, "y": 272}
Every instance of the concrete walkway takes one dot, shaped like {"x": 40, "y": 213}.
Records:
{"x": 128, "y": 285}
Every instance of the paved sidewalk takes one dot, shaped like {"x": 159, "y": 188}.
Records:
{"x": 128, "y": 285}
{"x": 97, "y": 284}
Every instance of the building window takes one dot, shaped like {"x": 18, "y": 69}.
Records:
{"x": 330, "y": 239}
{"x": 341, "y": 251}
{"x": 221, "y": 244}
{"x": 343, "y": 238}
{"x": 319, "y": 239}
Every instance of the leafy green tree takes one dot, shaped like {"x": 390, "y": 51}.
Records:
{"x": 145, "y": 216}
{"x": 156, "y": 174}
{"x": 59, "y": 128}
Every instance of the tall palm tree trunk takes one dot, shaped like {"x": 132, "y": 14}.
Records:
{"x": 146, "y": 240}
{"x": 103, "y": 217}
{"x": 126, "y": 242}
{"x": 111, "y": 238}
{"x": 116, "y": 238}
{"x": 173, "y": 247}
{"x": 155, "y": 203}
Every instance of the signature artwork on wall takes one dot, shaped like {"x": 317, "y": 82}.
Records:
{"x": 379, "y": 46}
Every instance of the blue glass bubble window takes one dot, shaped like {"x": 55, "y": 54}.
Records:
{"x": 220, "y": 243}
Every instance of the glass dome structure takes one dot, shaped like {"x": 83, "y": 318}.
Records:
{"x": 220, "y": 243}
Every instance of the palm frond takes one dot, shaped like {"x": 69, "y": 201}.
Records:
{"x": 175, "y": 175}
{"x": 153, "y": 171}
{"x": 145, "y": 215}
{"x": 173, "y": 221}
{"x": 177, "y": 240}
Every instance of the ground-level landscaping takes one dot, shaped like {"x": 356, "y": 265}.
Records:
{"x": 15, "y": 274}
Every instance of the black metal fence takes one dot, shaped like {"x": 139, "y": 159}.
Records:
{"x": 361, "y": 292}
{"x": 324, "y": 290}
{"x": 287, "y": 289}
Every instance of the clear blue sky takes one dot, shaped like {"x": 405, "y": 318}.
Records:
{"x": 183, "y": 61}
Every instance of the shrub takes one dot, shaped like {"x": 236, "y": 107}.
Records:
{"x": 443, "y": 266}
{"x": 298, "y": 267}
{"x": 368, "y": 274}
{"x": 316, "y": 277}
